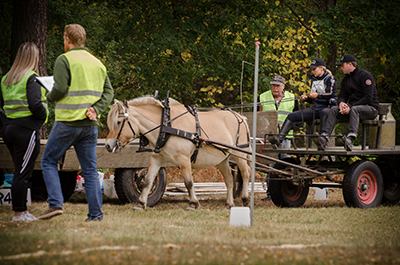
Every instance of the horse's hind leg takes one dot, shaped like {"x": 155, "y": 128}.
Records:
{"x": 244, "y": 168}
{"x": 186, "y": 170}
{"x": 148, "y": 183}
{"x": 226, "y": 172}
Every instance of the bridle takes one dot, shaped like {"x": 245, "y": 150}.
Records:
{"x": 126, "y": 119}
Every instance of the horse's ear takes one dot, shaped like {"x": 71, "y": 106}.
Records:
{"x": 119, "y": 104}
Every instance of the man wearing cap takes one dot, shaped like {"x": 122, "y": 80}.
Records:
{"x": 277, "y": 99}
{"x": 357, "y": 100}
{"x": 322, "y": 96}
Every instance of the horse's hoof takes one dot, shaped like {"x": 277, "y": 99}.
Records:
{"x": 138, "y": 207}
{"x": 228, "y": 207}
{"x": 246, "y": 201}
{"x": 190, "y": 208}
{"x": 193, "y": 206}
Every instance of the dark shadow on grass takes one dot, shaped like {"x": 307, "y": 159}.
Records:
{"x": 79, "y": 197}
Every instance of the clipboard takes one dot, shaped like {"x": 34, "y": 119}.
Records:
{"x": 46, "y": 81}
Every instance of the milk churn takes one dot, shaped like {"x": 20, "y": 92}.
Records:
{"x": 388, "y": 133}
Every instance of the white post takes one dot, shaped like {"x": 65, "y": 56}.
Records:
{"x": 253, "y": 159}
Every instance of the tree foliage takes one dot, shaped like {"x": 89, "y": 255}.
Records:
{"x": 197, "y": 49}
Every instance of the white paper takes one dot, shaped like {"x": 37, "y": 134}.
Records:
{"x": 46, "y": 81}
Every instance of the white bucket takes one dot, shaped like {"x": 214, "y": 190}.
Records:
{"x": 109, "y": 188}
{"x": 321, "y": 194}
{"x": 240, "y": 216}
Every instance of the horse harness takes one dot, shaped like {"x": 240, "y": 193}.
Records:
{"x": 166, "y": 130}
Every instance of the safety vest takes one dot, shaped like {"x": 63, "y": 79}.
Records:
{"x": 285, "y": 107}
{"x": 15, "y": 99}
{"x": 88, "y": 75}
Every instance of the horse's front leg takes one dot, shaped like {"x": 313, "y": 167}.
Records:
{"x": 186, "y": 170}
{"x": 226, "y": 172}
{"x": 148, "y": 183}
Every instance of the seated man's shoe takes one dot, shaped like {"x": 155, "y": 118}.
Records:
{"x": 275, "y": 142}
{"x": 340, "y": 139}
{"x": 320, "y": 141}
{"x": 347, "y": 142}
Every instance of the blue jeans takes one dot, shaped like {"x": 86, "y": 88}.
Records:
{"x": 84, "y": 140}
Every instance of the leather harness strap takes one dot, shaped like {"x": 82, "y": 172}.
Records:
{"x": 166, "y": 131}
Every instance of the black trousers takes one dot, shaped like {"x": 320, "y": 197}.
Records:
{"x": 307, "y": 114}
{"x": 24, "y": 147}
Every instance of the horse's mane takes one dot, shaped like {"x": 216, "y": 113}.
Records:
{"x": 148, "y": 99}
{"x": 112, "y": 118}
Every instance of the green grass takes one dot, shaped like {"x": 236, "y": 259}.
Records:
{"x": 321, "y": 232}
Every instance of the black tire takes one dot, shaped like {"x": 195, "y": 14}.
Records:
{"x": 363, "y": 185}
{"x": 129, "y": 181}
{"x": 391, "y": 192}
{"x": 391, "y": 180}
{"x": 285, "y": 193}
{"x": 38, "y": 186}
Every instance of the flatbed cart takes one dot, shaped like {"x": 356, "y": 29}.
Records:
{"x": 130, "y": 169}
{"x": 371, "y": 176}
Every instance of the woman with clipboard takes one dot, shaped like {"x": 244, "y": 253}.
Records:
{"x": 22, "y": 99}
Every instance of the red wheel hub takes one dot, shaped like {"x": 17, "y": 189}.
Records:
{"x": 367, "y": 187}
{"x": 292, "y": 192}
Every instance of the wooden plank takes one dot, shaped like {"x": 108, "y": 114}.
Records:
{"x": 201, "y": 188}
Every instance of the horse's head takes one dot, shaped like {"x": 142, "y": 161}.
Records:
{"x": 123, "y": 127}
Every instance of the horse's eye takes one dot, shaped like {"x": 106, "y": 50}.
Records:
{"x": 118, "y": 122}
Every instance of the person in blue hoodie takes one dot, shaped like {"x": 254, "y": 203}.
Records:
{"x": 322, "y": 96}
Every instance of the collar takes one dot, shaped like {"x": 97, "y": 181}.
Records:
{"x": 355, "y": 71}
{"x": 322, "y": 77}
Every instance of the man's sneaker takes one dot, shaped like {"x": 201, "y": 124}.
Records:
{"x": 50, "y": 213}
{"x": 320, "y": 141}
{"x": 94, "y": 219}
{"x": 346, "y": 142}
{"x": 340, "y": 139}
{"x": 29, "y": 216}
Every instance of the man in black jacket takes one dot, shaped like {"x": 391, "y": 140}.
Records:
{"x": 357, "y": 100}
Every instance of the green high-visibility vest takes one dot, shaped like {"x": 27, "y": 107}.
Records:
{"x": 88, "y": 75}
{"x": 285, "y": 107}
{"x": 15, "y": 99}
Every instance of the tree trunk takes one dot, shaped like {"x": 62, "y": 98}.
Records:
{"x": 30, "y": 25}
{"x": 332, "y": 48}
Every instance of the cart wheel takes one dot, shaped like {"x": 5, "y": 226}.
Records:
{"x": 38, "y": 186}
{"x": 129, "y": 181}
{"x": 237, "y": 180}
{"x": 391, "y": 192}
{"x": 391, "y": 181}
{"x": 285, "y": 193}
{"x": 363, "y": 185}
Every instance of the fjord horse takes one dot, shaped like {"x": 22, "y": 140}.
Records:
{"x": 142, "y": 116}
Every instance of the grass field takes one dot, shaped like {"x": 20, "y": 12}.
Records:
{"x": 320, "y": 232}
